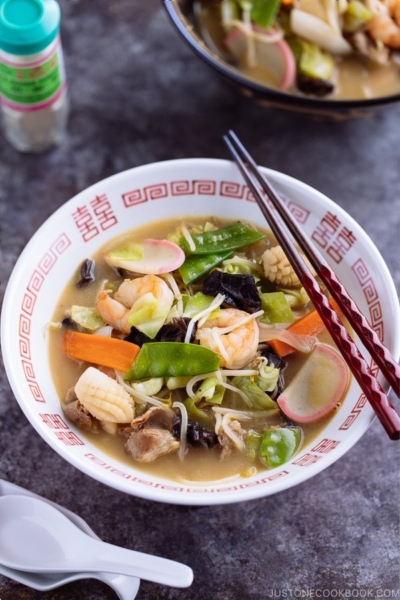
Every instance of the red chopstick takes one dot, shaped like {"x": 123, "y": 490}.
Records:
{"x": 381, "y": 355}
{"x": 353, "y": 357}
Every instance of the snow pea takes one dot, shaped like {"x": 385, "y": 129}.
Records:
{"x": 172, "y": 359}
{"x": 197, "y": 265}
{"x": 279, "y": 444}
{"x": 233, "y": 236}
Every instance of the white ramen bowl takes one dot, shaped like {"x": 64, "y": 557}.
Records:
{"x": 152, "y": 192}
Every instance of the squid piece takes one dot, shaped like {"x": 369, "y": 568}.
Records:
{"x": 104, "y": 397}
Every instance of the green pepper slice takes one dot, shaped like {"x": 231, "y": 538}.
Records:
{"x": 196, "y": 304}
{"x": 172, "y": 359}
{"x": 279, "y": 444}
{"x": 233, "y": 236}
{"x": 197, "y": 265}
{"x": 199, "y": 415}
{"x": 276, "y": 308}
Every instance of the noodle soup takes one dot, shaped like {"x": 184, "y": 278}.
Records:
{"x": 191, "y": 351}
{"x": 313, "y": 48}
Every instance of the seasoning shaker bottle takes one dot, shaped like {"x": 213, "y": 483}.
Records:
{"x": 33, "y": 92}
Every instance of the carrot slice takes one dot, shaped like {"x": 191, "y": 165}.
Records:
{"x": 100, "y": 350}
{"x": 310, "y": 324}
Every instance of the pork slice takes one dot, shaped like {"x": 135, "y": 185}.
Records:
{"x": 70, "y": 396}
{"x": 77, "y": 413}
{"x": 149, "y": 443}
{"x": 156, "y": 417}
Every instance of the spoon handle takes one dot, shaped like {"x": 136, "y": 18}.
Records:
{"x": 113, "y": 559}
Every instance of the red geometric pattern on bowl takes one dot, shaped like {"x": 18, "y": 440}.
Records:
{"x": 361, "y": 271}
{"x": 232, "y": 189}
{"x": 333, "y": 237}
{"x": 54, "y": 421}
{"x": 24, "y": 331}
{"x": 36, "y": 391}
{"x": 150, "y": 192}
{"x": 28, "y": 303}
{"x": 326, "y": 445}
{"x": 365, "y": 280}
{"x": 33, "y": 385}
{"x": 62, "y": 431}
{"x": 94, "y": 217}
{"x": 169, "y": 486}
{"x": 375, "y": 311}
{"x": 363, "y": 276}
{"x": 203, "y": 187}
{"x": 370, "y": 292}
{"x": 69, "y": 438}
{"x": 355, "y": 411}
{"x": 24, "y": 348}
{"x": 310, "y": 458}
{"x": 306, "y": 460}
{"x": 300, "y": 213}
{"x": 35, "y": 282}
{"x": 55, "y": 250}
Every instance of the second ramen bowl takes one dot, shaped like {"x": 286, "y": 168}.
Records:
{"x": 183, "y": 16}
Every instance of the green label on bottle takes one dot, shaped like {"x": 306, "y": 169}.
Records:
{"x": 30, "y": 85}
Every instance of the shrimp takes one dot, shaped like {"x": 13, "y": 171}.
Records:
{"x": 393, "y": 7}
{"x": 384, "y": 26}
{"x": 233, "y": 335}
{"x": 116, "y": 311}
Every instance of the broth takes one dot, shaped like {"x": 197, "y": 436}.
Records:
{"x": 200, "y": 464}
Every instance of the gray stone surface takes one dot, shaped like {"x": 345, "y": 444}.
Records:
{"x": 139, "y": 95}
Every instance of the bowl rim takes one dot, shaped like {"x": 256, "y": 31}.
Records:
{"x": 306, "y": 102}
{"x": 151, "y": 493}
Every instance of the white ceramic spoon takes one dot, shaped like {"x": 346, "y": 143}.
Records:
{"x": 36, "y": 537}
{"x": 125, "y": 587}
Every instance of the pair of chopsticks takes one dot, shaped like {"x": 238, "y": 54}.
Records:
{"x": 373, "y": 391}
